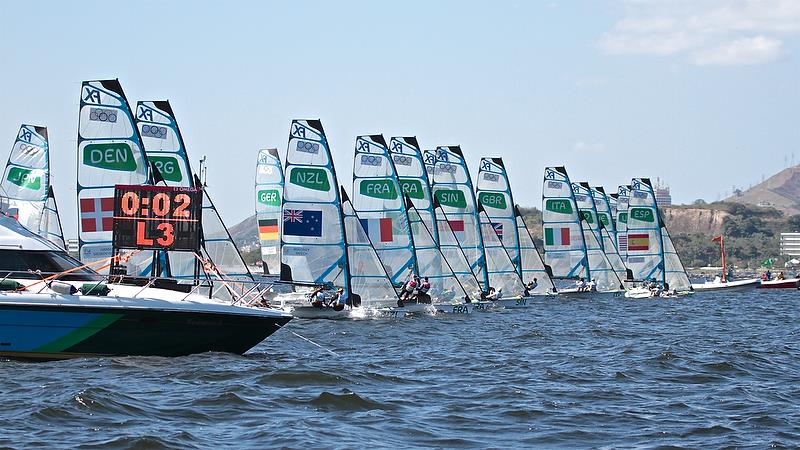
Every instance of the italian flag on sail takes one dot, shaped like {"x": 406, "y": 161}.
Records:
{"x": 556, "y": 237}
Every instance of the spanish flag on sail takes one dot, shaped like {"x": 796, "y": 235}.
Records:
{"x": 268, "y": 229}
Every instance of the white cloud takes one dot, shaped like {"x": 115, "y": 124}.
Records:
{"x": 756, "y": 50}
{"x": 707, "y": 32}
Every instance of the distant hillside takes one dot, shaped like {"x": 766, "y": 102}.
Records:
{"x": 780, "y": 191}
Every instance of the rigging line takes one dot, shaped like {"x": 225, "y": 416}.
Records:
{"x": 318, "y": 345}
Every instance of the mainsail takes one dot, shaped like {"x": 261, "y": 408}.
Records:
{"x": 651, "y": 254}
{"x": 414, "y": 180}
{"x": 312, "y": 241}
{"x": 166, "y": 152}
{"x": 530, "y": 260}
{"x": 453, "y": 190}
{"x": 26, "y": 191}
{"x": 499, "y": 266}
{"x": 445, "y": 284}
{"x": 368, "y": 280}
{"x": 622, "y": 221}
{"x": 454, "y": 254}
{"x": 494, "y": 194}
{"x": 603, "y": 225}
{"x": 269, "y": 193}
{"x": 571, "y": 245}
{"x": 378, "y": 200}
{"x": 110, "y": 152}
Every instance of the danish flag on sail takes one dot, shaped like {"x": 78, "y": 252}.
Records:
{"x": 97, "y": 214}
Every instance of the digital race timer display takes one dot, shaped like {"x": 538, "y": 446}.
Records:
{"x": 157, "y": 217}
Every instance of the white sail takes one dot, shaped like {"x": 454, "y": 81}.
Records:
{"x": 445, "y": 284}
{"x": 312, "y": 239}
{"x": 601, "y": 269}
{"x": 166, "y": 153}
{"x": 25, "y": 191}
{"x": 605, "y": 226}
{"x": 110, "y": 152}
{"x": 453, "y": 190}
{"x": 378, "y": 200}
{"x": 564, "y": 247}
{"x": 269, "y": 195}
{"x": 369, "y": 282}
{"x": 494, "y": 194}
{"x": 571, "y": 247}
{"x": 499, "y": 266}
{"x": 650, "y": 256}
{"x": 414, "y": 180}
{"x": 623, "y": 194}
{"x": 531, "y": 261}
{"x": 454, "y": 254}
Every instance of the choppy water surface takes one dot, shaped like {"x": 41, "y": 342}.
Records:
{"x": 706, "y": 371}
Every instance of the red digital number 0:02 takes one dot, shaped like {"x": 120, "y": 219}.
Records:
{"x": 162, "y": 204}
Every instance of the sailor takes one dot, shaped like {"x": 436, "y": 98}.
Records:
{"x": 317, "y": 297}
{"x": 581, "y": 285}
{"x": 530, "y": 287}
{"x": 422, "y": 291}
{"x": 495, "y": 295}
{"x": 408, "y": 289}
{"x": 338, "y": 300}
{"x": 593, "y": 285}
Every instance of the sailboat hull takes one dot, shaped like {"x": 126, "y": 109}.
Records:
{"x": 574, "y": 293}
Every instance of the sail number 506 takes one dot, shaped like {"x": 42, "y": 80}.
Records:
{"x": 160, "y": 206}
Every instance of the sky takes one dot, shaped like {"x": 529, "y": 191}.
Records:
{"x": 701, "y": 94}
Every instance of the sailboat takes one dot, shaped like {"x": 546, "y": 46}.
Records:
{"x": 621, "y": 222}
{"x": 650, "y": 252}
{"x": 453, "y": 190}
{"x": 723, "y": 283}
{"x": 323, "y": 243}
{"x": 594, "y": 208}
{"x": 27, "y": 194}
{"x": 110, "y": 152}
{"x": 269, "y": 193}
{"x": 447, "y": 290}
{"x": 496, "y": 198}
{"x": 166, "y": 151}
{"x": 378, "y": 200}
{"x": 571, "y": 248}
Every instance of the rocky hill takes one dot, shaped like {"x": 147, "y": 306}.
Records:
{"x": 780, "y": 191}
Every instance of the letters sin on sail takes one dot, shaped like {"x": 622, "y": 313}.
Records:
{"x": 454, "y": 192}
{"x": 110, "y": 152}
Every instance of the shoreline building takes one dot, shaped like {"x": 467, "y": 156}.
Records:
{"x": 790, "y": 244}
{"x": 663, "y": 197}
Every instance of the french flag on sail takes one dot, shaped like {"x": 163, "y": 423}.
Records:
{"x": 378, "y": 230}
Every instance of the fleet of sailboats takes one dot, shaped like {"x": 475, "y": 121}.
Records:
{"x": 415, "y": 234}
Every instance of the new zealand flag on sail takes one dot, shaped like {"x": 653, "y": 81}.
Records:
{"x": 301, "y": 222}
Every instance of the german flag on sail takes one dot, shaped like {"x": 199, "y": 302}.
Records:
{"x": 268, "y": 229}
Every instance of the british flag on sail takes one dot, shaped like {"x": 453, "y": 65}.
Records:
{"x": 498, "y": 229}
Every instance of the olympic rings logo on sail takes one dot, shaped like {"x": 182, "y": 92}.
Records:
{"x": 103, "y": 115}
{"x": 554, "y": 185}
{"x": 639, "y": 194}
{"x": 371, "y": 160}
{"x": 154, "y": 131}
{"x": 449, "y": 168}
{"x": 580, "y": 198}
{"x": 491, "y": 177}
{"x": 402, "y": 160}
{"x": 28, "y": 149}
{"x": 308, "y": 147}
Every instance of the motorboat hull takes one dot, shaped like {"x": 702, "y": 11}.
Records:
{"x": 740, "y": 285}
{"x": 50, "y": 332}
{"x": 791, "y": 283}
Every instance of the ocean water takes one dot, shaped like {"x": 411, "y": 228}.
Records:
{"x": 705, "y": 371}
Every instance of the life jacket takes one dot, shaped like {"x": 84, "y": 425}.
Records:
{"x": 424, "y": 287}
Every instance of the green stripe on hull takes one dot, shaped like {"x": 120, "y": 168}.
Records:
{"x": 79, "y": 334}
